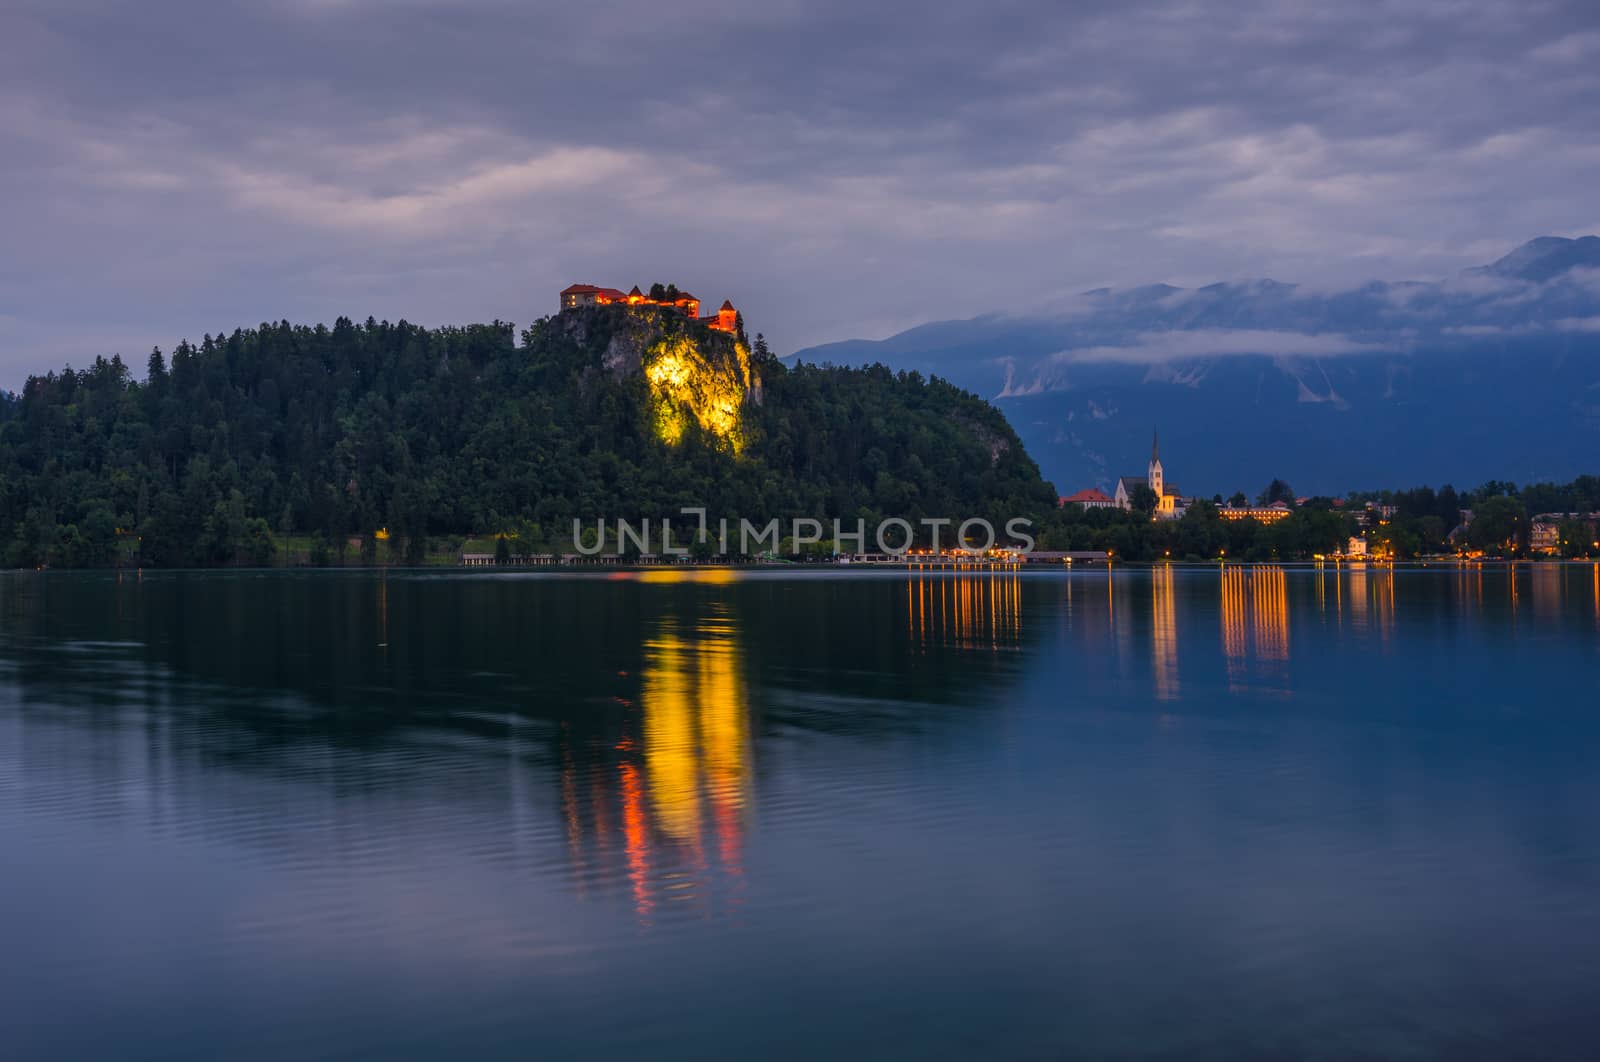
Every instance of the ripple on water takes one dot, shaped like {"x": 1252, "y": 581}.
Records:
{"x": 1261, "y": 816}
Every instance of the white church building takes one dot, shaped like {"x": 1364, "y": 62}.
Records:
{"x": 1169, "y": 503}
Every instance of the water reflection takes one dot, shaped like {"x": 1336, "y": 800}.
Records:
{"x": 1255, "y": 625}
{"x": 1360, "y": 602}
{"x": 1469, "y": 588}
{"x": 1383, "y": 601}
{"x": 965, "y": 611}
{"x": 249, "y": 826}
{"x": 682, "y": 777}
{"x": 633, "y": 701}
{"x": 1371, "y": 599}
{"x": 1164, "y": 634}
{"x": 696, "y": 728}
{"x": 1547, "y": 589}
{"x": 1270, "y": 606}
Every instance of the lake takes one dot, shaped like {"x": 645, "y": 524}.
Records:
{"x": 1251, "y": 813}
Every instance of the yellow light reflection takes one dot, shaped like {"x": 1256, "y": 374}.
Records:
{"x": 696, "y": 735}
{"x": 1164, "y": 634}
{"x": 966, "y": 611}
{"x": 669, "y": 737}
{"x": 1385, "y": 602}
{"x": 1270, "y": 600}
{"x": 1234, "y": 636}
{"x": 725, "y": 741}
{"x": 682, "y": 785}
{"x": 1255, "y": 622}
{"x": 1359, "y": 600}
{"x": 675, "y": 574}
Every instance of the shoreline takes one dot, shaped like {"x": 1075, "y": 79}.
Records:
{"x": 983, "y": 567}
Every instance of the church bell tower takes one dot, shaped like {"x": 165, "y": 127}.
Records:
{"x": 1156, "y": 484}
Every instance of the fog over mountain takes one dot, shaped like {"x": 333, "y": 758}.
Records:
{"x": 1493, "y": 373}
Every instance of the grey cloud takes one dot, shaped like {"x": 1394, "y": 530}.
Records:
{"x": 1152, "y": 348}
{"x": 836, "y": 168}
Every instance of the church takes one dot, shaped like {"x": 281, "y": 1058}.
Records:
{"x": 1169, "y": 503}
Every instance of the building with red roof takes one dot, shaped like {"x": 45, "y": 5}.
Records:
{"x": 1092, "y": 498}
{"x": 576, "y": 296}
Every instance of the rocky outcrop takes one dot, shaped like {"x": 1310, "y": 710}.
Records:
{"x": 696, "y": 374}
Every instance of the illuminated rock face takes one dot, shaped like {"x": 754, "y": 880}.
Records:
{"x": 704, "y": 382}
{"x": 696, "y": 374}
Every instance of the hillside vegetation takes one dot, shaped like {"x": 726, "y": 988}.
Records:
{"x": 395, "y": 433}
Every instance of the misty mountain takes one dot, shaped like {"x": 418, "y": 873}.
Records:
{"x": 1490, "y": 374}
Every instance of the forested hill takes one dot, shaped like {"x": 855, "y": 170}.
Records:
{"x": 408, "y": 436}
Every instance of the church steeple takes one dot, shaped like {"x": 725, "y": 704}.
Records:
{"x": 1156, "y": 480}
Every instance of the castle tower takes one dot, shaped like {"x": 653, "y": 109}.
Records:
{"x": 1156, "y": 483}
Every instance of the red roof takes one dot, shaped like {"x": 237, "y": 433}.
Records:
{"x": 1093, "y": 494}
{"x": 726, "y": 305}
{"x": 614, "y": 295}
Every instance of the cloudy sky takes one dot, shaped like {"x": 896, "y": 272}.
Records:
{"x": 839, "y": 169}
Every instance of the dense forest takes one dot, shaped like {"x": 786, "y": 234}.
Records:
{"x": 393, "y": 443}
{"x": 397, "y": 442}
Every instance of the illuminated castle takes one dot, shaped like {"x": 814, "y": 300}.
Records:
{"x": 726, "y": 319}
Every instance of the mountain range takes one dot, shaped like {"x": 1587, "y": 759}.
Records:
{"x": 1493, "y": 373}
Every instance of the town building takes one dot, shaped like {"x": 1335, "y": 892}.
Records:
{"x": 1544, "y": 537}
{"x": 1170, "y": 504}
{"x": 1265, "y": 514}
{"x": 576, "y": 296}
{"x": 1092, "y": 498}
{"x": 1545, "y": 531}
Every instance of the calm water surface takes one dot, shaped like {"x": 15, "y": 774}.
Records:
{"x": 1259, "y": 814}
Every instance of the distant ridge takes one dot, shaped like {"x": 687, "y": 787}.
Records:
{"x": 1547, "y": 257}
{"x": 1492, "y": 373}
